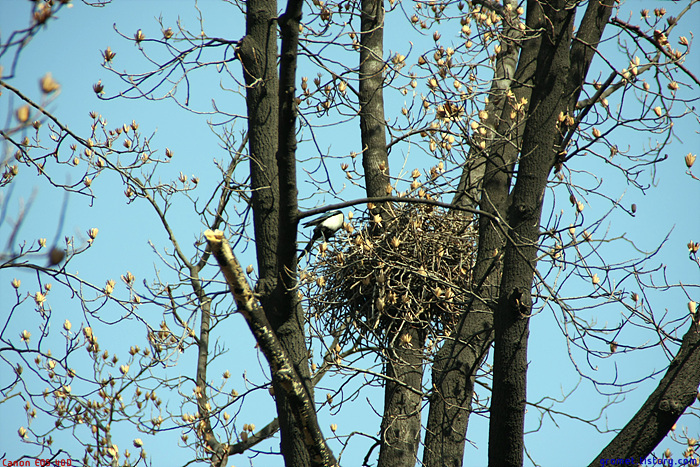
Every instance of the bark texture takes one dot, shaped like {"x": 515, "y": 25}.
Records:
{"x": 401, "y": 422}
{"x": 289, "y": 324}
{"x": 511, "y": 318}
{"x": 372, "y": 124}
{"x": 400, "y": 429}
{"x": 285, "y": 374}
{"x": 485, "y": 182}
{"x": 272, "y": 147}
{"x": 258, "y": 54}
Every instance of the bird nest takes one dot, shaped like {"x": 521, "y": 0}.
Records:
{"x": 414, "y": 271}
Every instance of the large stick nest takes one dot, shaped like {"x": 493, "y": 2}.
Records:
{"x": 414, "y": 269}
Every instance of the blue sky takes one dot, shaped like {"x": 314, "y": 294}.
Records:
{"x": 70, "y": 49}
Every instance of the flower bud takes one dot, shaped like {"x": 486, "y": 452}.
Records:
{"x": 48, "y": 84}
{"x": 23, "y": 114}
{"x": 108, "y": 55}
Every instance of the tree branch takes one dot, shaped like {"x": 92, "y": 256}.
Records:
{"x": 637, "y": 31}
{"x": 282, "y": 369}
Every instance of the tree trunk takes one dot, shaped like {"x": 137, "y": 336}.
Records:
{"x": 401, "y": 426}
{"x": 511, "y": 317}
{"x": 372, "y": 124}
{"x": 258, "y": 52}
{"x": 485, "y": 182}
{"x": 400, "y": 430}
{"x": 305, "y": 447}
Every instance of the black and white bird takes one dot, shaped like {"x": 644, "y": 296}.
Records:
{"x": 325, "y": 227}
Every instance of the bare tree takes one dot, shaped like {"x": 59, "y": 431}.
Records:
{"x": 456, "y": 252}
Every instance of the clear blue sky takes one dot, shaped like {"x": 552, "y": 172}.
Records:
{"x": 70, "y": 49}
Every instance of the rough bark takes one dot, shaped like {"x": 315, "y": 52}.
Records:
{"x": 400, "y": 429}
{"x": 403, "y": 366}
{"x": 486, "y": 180}
{"x": 511, "y": 317}
{"x": 561, "y": 67}
{"x": 372, "y": 124}
{"x": 285, "y": 373}
{"x": 584, "y": 47}
{"x": 456, "y": 363}
{"x": 258, "y": 52}
{"x": 306, "y": 445}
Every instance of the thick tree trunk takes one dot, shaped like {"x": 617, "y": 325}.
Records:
{"x": 403, "y": 366}
{"x": 511, "y": 318}
{"x": 305, "y": 446}
{"x": 485, "y": 182}
{"x": 401, "y": 425}
{"x": 372, "y": 123}
{"x": 561, "y": 68}
{"x": 400, "y": 430}
{"x": 456, "y": 363}
{"x": 258, "y": 52}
